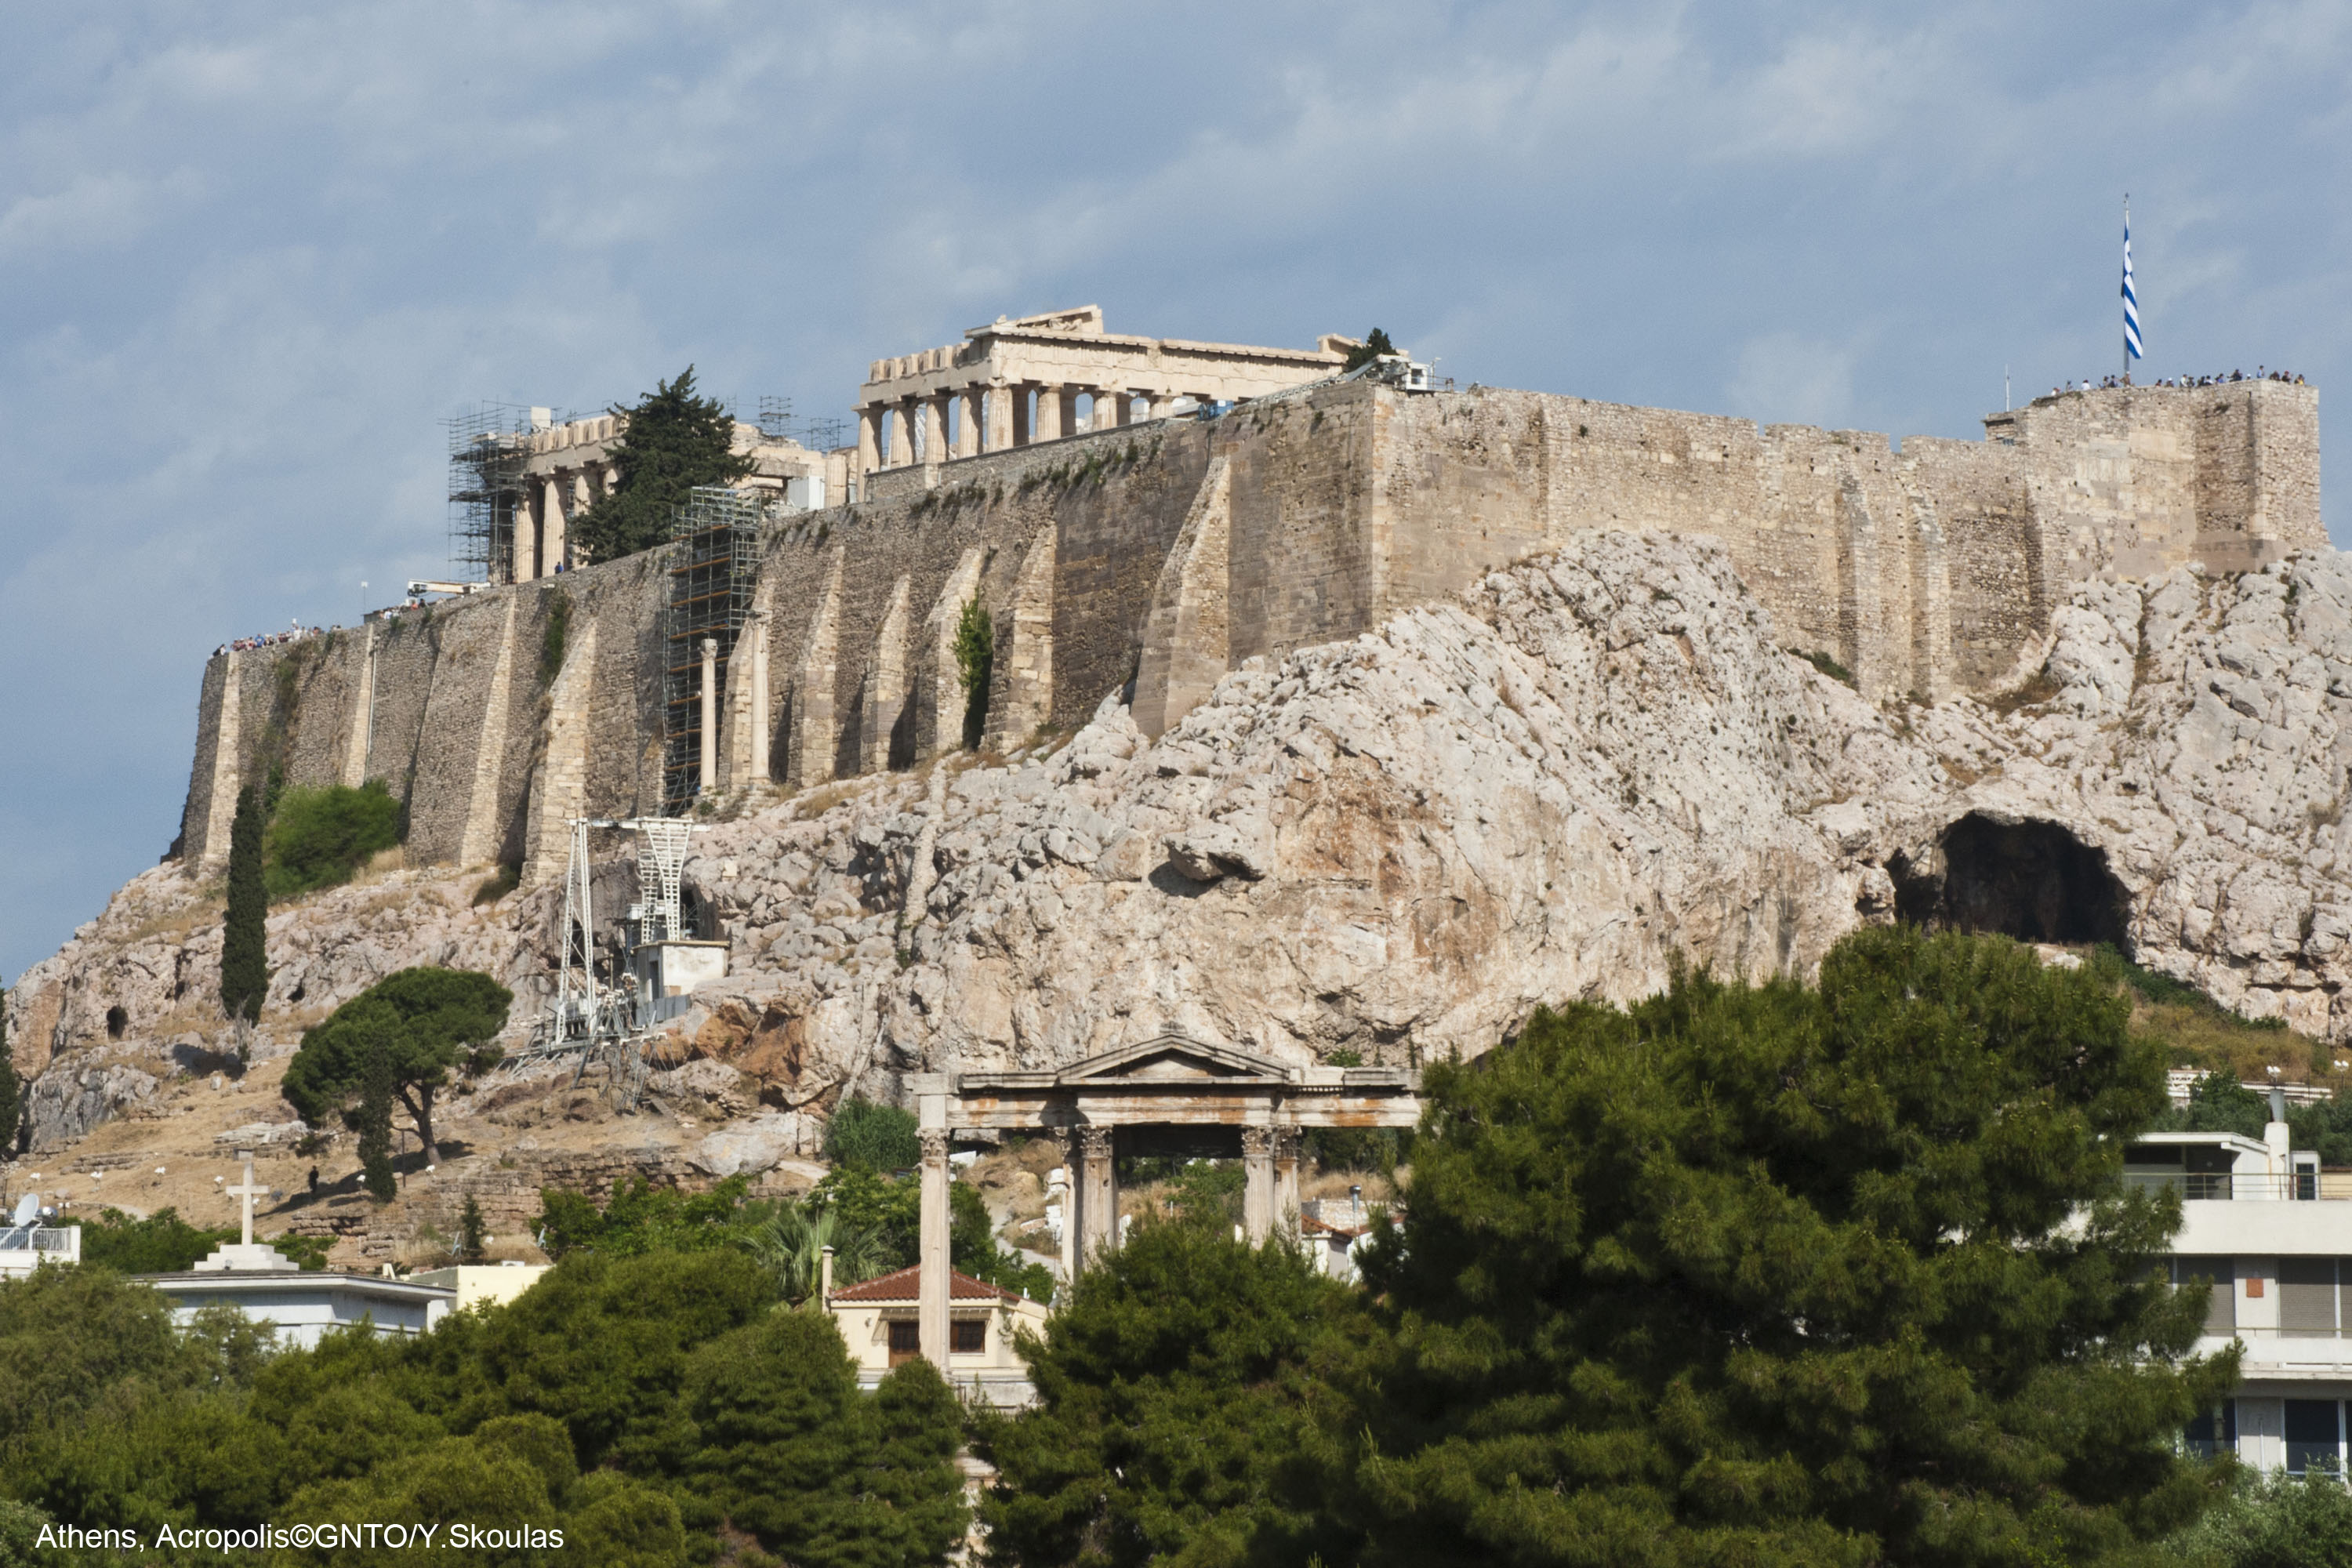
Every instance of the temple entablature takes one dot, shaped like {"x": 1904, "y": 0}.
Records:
{"x": 1014, "y": 382}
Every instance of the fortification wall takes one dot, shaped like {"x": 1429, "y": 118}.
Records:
{"x": 1168, "y": 552}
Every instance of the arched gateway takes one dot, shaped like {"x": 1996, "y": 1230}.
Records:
{"x": 1169, "y": 1094}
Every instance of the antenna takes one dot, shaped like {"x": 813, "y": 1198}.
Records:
{"x": 28, "y": 1208}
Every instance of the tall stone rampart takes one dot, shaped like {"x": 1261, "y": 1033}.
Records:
{"x": 1166, "y": 553}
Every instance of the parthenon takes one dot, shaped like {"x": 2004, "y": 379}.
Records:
{"x": 1014, "y": 382}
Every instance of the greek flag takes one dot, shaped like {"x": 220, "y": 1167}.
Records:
{"x": 2131, "y": 300}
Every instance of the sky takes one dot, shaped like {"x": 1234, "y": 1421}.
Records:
{"x": 252, "y": 256}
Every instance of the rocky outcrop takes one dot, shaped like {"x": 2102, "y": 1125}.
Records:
{"x": 1590, "y": 765}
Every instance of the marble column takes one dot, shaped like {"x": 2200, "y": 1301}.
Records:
{"x": 1061, "y": 1137}
{"x": 710, "y": 714}
{"x": 969, "y": 421}
{"x": 1067, "y": 411}
{"x": 1159, "y": 403}
{"x": 902, "y": 435}
{"x": 1050, "y": 404}
{"x": 931, "y": 1253}
{"x": 935, "y": 428}
{"x": 583, "y": 494}
{"x": 526, "y": 540}
{"x": 1257, "y": 1183}
{"x": 755, "y": 627}
{"x": 1286, "y": 1179}
{"x": 1097, "y": 1194}
{"x": 1018, "y": 393}
{"x": 869, "y": 440}
{"x": 551, "y": 537}
{"x": 1111, "y": 409}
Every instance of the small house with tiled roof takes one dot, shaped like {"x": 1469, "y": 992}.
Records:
{"x": 878, "y": 1320}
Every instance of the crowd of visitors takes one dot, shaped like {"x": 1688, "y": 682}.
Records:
{"x": 298, "y": 632}
{"x": 2261, "y": 373}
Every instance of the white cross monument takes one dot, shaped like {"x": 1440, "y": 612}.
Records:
{"x": 244, "y": 1255}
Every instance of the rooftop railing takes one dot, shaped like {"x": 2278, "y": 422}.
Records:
{"x": 2225, "y": 1186}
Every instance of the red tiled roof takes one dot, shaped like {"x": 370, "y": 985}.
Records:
{"x": 907, "y": 1284}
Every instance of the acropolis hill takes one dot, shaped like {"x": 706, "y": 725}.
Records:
{"x": 1353, "y": 718}
{"x": 1170, "y": 550}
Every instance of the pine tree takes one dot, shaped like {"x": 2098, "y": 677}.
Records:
{"x": 372, "y": 1120}
{"x": 1372, "y": 348}
{"x": 244, "y": 959}
{"x": 428, "y": 1021}
{"x": 12, "y": 1088}
{"x": 472, "y": 1238}
{"x": 672, "y": 442}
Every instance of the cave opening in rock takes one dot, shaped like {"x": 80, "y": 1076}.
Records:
{"x": 2033, "y": 880}
{"x": 118, "y": 1019}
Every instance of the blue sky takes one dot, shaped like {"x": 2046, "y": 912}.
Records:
{"x": 252, "y": 254}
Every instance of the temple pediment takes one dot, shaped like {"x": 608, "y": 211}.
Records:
{"x": 1173, "y": 1059}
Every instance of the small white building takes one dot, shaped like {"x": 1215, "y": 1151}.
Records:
{"x": 299, "y": 1308}
{"x": 878, "y": 1320}
{"x": 483, "y": 1284}
{"x": 2256, "y": 1221}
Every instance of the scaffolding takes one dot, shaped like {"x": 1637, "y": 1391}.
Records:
{"x": 711, "y": 580}
{"x": 488, "y": 445}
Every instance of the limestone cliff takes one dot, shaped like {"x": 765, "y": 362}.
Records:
{"x": 1398, "y": 844}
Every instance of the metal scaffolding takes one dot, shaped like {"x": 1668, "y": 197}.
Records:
{"x": 488, "y": 445}
{"x": 711, "y": 580}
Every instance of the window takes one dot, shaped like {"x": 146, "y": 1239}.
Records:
{"x": 968, "y": 1336}
{"x": 905, "y": 1341}
{"x": 2313, "y": 1435}
{"x": 2214, "y": 1433}
{"x": 2307, "y": 1298}
{"x": 2222, "y": 1307}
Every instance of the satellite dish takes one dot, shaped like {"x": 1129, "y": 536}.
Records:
{"x": 27, "y": 1208}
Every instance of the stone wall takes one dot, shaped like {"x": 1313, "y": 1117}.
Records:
{"x": 1168, "y": 552}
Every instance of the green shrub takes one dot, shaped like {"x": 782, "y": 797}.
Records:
{"x": 321, "y": 838}
{"x": 878, "y": 1137}
{"x": 975, "y": 653}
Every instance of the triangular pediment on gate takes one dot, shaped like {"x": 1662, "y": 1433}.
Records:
{"x": 1172, "y": 1058}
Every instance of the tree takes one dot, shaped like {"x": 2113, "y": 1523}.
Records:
{"x": 472, "y": 1242}
{"x": 1171, "y": 1386}
{"x": 2220, "y": 1104}
{"x": 12, "y": 1088}
{"x": 670, "y": 442}
{"x": 1376, "y": 343}
{"x": 1766, "y": 1274}
{"x": 426, "y": 1021}
{"x": 911, "y": 1507}
{"x": 372, "y": 1118}
{"x": 975, "y": 656}
{"x": 2275, "y": 1521}
{"x": 245, "y": 958}
{"x": 777, "y": 1423}
{"x": 790, "y": 1246}
{"x": 640, "y": 1218}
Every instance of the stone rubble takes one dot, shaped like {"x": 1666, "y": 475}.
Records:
{"x": 1594, "y": 763}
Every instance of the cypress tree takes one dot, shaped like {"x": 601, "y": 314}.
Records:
{"x": 12, "y": 1088}
{"x": 472, "y": 1237}
{"x": 245, "y": 961}
{"x": 975, "y": 654}
{"x": 372, "y": 1120}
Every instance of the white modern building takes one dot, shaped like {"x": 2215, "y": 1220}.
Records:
{"x": 300, "y": 1309}
{"x": 24, "y": 1248}
{"x": 2254, "y": 1221}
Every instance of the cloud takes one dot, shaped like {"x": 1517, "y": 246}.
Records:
{"x": 255, "y": 254}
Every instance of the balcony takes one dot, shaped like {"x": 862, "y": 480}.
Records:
{"x": 24, "y": 1249}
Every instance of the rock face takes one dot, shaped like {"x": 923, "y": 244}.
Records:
{"x": 1399, "y": 845}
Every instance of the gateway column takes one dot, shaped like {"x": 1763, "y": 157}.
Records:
{"x": 1257, "y": 1183}
{"x": 931, "y": 1286}
{"x": 1097, "y": 1194}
